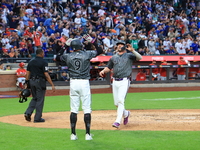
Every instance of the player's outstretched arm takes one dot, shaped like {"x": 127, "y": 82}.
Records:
{"x": 137, "y": 55}
{"x": 104, "y": 71}
{"x": 98, "y": 48}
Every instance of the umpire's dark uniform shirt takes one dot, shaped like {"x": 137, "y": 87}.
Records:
{"x": 37, "y": 66}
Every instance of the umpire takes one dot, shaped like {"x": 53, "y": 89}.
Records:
{"x": 37, "y": 75}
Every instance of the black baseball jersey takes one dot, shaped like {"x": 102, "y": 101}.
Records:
{"x": 78, "y": 63}
{"x": 121, "y": 64}
{"x": 37, "y": 66}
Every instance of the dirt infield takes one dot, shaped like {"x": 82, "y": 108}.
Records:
{"x": 163, "y": 120}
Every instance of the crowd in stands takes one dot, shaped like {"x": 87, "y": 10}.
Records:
{"x": 153, "y": 27}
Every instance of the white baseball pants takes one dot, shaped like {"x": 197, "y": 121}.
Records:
{"x": 80, "y": 92}
{"x": 120, "y": 89}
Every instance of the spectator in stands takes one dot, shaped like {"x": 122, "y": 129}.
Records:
{"x": 171, "y": 33}
{"x": 13, "y": 20}
{"x": 141, "y": 51}
{"x": 26, "y": 19}
{"x": 13, "y": 53}
{"x": 37, "y": 39}
{"x": 134, "y": 41}
{"x": 194, "y": 48}
{"x": 52, "y": 41}
{"x": 30, "y": 47}
{"x": 66, "y": 30}
{"x": 27, "y": 33}
{"x": 23, "y": 48}
{"x": 5, "y": 41}
{"x": 167, "y": 44}
{"x": 14, "y": 39}
{"x": 108, "y": 47}
{"x": 181, "y": 71}
{"x": 77, "y": 21}
{"x": 172, "y": 50}
{"x": 141, "y": 43}
{"x": 180, "y": 48}
{"x": 49, "y": 21}
{"x": 53, "y": 75}
{"x": 144, "y": 19}
{"x": 64, "y": 76}
{"x": 45, "y": 40}
{"x": 1, "y": 66}
{"x": 147, "y": 51}
{"x": 152, "y": 46}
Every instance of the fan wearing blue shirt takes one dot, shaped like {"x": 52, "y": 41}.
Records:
{"x": 194, "y": 47}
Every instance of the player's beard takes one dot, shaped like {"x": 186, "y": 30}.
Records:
{"x": 119, "y": 49}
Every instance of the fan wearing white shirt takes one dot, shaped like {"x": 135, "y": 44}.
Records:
{"x": 107, "y": 43}
{"x": 77, "y": 21}
{"x": 152, "y": 45}
{"x": 187, "y": 42}
{"x": 23, "y": 2}
{"x": 101, "y": 11}
{"x": 167, "y": 43}
{"x": 109, "y": 21}
{"x": 180, "y": 47}
{"x": 79, "y": 11}
{"x": 66, "y": 31}
{"x": 5, "y": 39}
{"x": 29, "y": 10}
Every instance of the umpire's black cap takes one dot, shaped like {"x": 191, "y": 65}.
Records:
{"x": 121, "y": 42}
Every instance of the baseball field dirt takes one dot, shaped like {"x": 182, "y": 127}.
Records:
{"x": 162, "y": 120}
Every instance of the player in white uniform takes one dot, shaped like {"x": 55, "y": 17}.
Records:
{"x": 78, "y": 63}
{"x": 121, "y": 63}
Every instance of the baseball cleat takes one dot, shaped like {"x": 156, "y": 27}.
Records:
{"x": 126, "y": 118}
{"x": 27, "y": 117}
{"x": 73, "y": 137}
{"x": 116, "y": 124}
{"x": 88, "y": 137}
{"x": 39, "y": 121}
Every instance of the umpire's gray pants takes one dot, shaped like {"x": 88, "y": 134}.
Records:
{"x": 37, "y": 102}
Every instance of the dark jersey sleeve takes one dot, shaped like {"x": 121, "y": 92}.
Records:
{"x": 110, "y": 63}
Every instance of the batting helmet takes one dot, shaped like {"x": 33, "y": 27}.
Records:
{"x": 121, "y": 42}
{"x": 76, "y": 45}
{"x": 23, "y": 95}
{"x": 21, "y": 64}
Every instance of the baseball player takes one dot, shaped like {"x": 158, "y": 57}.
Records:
{"x": 181, "y": 71}
{"x": 21, "y": 73}
{"x": 155, "y": 71}
{"x": 78, "y": 63}
{"x": 121, "y": 63}
{"x": 163, "y": 71}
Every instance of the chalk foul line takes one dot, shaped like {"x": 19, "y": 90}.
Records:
{"x": 171, "y": 99}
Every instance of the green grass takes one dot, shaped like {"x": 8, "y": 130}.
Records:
{"x": 14, "y": 137}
